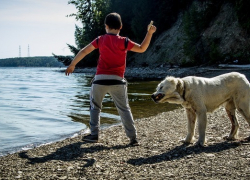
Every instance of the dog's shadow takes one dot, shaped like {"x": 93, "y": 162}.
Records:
{"x": 70, "y": 152}
{"x": 183, "y": 151}
{"x": 74, "y": 151}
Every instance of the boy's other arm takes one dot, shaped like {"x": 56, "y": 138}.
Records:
{"x": 81, "y": 54}
{"x": 140, "y": 48}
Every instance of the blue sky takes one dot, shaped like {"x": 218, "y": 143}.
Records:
{"x": 40, "y": 24}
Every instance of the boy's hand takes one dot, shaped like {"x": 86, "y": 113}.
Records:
{"x": 151, "y": 27}
{"x": 69, "y": 70}
{"x": 150, "y": 24}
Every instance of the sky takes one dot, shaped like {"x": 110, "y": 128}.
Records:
{"x": 36, "y": 28}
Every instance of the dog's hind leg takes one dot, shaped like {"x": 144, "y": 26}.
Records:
{"x": 244, "y": 109}
{"x": 231, "y": 112}
{"x": 191, "y": 125}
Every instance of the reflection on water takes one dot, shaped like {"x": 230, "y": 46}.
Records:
{"x": 40, "y": 105}
{"x": 139, "y": 94}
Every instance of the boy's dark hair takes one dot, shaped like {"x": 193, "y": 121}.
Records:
{"x": 113, "y": 20}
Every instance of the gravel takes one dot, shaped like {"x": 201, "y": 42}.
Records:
{"x": 145, "y": 73}
{"x": 161, "y": 155}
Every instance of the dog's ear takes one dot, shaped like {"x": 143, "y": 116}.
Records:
{"x": 171, "y": 80}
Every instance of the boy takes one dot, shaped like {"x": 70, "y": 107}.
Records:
{"x": 109, "y": 76}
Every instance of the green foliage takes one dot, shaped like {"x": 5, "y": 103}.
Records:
{"x": 73, "y": 49}
{"x": 214, "y": 53}
{"x": 242, "y": 8}
{"x": 187, "y": 63}
{"x": 166, "y": 12}
{"x": 42, "y": 61}
{"x": 66, "y": 60}
{"x": 80, "y": 39}
{"x": 192, "y": 26}
{"x": 91, "y": 14}
{"x": 137, "y": 14}
{"x": 243, "y": 56}
{"x": 196, "y": 20}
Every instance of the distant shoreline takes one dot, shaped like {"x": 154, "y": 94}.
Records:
{"x": 37, "y": 61}
{"x": 147, "y": 73}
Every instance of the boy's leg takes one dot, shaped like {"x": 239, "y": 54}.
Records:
{"x": 120, "y": 97}
{"x": 97, "y": 94}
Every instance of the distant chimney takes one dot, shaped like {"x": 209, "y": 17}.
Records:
{"x": 19, "y": 51}
{"x": 28, "y": 50}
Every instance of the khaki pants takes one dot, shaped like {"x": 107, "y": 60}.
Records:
{"x": 120, "y": 98}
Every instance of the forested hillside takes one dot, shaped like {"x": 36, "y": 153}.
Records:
{"x": 189, "y": 32}
{"x": 42, "y": 61}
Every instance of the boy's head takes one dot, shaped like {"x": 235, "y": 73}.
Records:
{"x": 113, "y": 21}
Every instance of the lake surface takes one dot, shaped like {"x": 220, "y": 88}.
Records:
{"x": 42, "y": 105}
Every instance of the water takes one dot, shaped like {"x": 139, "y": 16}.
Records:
{"x": 42, "y": 105}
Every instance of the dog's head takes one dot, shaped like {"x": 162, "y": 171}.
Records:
{"x": 169, "y": 90}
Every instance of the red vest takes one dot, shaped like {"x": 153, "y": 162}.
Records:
{"x": 112, "y": 59}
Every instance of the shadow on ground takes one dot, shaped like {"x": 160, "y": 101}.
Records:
{"x": 183, "y": 151}
{"x": 69, "y": 153}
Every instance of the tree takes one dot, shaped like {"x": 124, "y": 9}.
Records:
{"x": 91, "y": 14}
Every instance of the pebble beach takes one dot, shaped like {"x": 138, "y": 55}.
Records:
{"x": 161, "y": 154}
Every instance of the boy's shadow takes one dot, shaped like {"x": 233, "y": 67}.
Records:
{"x": 183, "y": 151}
{"x": 69, "y": 153}
{"x": 73, "y": 151}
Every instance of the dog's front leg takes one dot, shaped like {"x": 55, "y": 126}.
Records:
{"x": 202, "y": 125}
{"x": 191, "y": 125}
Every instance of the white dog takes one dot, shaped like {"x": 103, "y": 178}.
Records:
{"x": 200, "y": 95}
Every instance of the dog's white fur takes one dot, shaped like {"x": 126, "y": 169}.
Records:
{"x": 200, "y": 95}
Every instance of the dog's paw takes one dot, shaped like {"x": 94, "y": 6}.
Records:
{"x": 247, "y": 138}
{"x": 200, "y": 144}
{"x": 228, "y": 138}
{"x": 184, "y": 141}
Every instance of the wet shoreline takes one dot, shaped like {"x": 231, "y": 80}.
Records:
{"x": 159, "y": 73}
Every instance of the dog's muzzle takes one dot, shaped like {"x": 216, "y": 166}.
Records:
{"x": 157, "y": 97}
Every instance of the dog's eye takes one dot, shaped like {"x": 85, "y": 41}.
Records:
{"x": 161, "y": 88}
